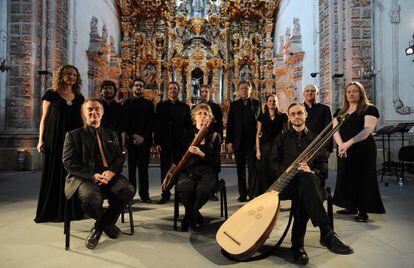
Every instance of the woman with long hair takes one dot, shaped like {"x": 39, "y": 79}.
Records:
{"x": 357, "y": 186}
{"x": 199, "y": 175}
{"x": 269, "y": 125}
{"x": 61, "y": 112}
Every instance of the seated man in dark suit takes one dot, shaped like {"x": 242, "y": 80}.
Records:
{"x": 93, "y": 159}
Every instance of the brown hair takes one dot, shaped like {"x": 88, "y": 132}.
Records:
{"x": 244, "y": 82}
{"x": 58, "y": 79}
{"x": 277, "y": 103}
{"x": 201, "y": 106}
{"x": 175, "y": 83}
{"x": 294, "y": 104}
{"x": 363, "y": 99}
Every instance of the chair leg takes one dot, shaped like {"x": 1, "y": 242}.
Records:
{"x": 122, "y": 216}
{"x": 221, "y": 203}
{"x": 330, "y": 207}
{"x": 176, "y": 210}
{"x": 225, "y": 202}
{"x": 66, "y": 225}
{"x": 131, "y": 219}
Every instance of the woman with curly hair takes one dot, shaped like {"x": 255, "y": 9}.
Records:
{"x": 61, "y": 112}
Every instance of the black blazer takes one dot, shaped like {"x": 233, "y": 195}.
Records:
{"x": 235, "y": 123}
{"x": 319, "y": 116}
{"x": 79, "y": 154}
{"x": 140, "y": 119}
{"x": 173, "y": 123}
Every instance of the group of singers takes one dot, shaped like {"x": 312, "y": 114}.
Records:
{"x": 83, "y": 141}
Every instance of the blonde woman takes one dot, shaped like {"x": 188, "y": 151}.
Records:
{"x": 357, "y": 186}
{"x": 199, "y": 175}
{"x": 61, "y": 112}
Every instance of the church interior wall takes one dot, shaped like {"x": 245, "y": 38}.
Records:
{"x": 84, "y": 10}
{"x": 308, "y": 15}
{"x": 393, "y": 67}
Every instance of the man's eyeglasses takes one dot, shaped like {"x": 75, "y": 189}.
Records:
{"x": 297, "y": 113}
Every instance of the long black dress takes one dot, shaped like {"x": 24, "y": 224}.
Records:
{"x": 357, "y": 184}
{"x": 62, "y": 117}
{"x": 264, "y": 176}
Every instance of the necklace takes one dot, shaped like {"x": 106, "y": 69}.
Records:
{"x": 69, "y": 103}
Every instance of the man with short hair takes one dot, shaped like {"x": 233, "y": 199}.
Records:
{"x": 173, "y": 125}
{"x": 304, "y": 189}
{"x": 319, "y": 116}
{"x": 93, "y": 159}
{"x": 241, "y": 135}
{"x": 139, "y": 126}
{"x": 113, "y": 111}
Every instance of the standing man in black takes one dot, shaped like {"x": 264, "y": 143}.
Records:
{"x": 140, "y": 122}
{"x": 205, "y": 94}
{"x": 241, "y": 135}
{"x": 93, "y": 159}
{"x": 319, "y": 116}
{"x": 113, "y": 111}
{"x": 173, "y": 125}
{"x": 304, "y": 189}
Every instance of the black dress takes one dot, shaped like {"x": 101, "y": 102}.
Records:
{"x": 264, "y": 176}
{"x": 62, "y": 117}
{"x": 356, "y": 183}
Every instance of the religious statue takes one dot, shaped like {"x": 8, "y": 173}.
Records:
{"x": 197, "y": 8}
{"x": 246, "y": 73}
{"x": 296, "y": 26}
{"x": 150, "y": 74}
{"x": 395, "y": 12}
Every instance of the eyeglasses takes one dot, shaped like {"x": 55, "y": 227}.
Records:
{"x": 297, "y": 113}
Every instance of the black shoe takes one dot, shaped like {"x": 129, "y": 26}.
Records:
{"x": 112, "y": 231}
{"x": 185, "y": 224}
{"x": 300, "y": 256}
{"x": 213, "y": 197}
{"x": 199, "y": 219}
{"x": 92, "y": 239}
{"x": 361, "y": 217}
{"x": 347, "y": 211}
{"x": 163, "y": 200}
{"x": 242, "y": 199}
{"x": 147, "y": 200}
{"x": 332, "y": 242}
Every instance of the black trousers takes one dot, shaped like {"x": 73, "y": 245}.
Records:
{"x": 194, "y": 188}
{"x": 245, "y": 154}
{"x": 119, "y": 193}
{"x": 169, "y": 155}
{"x": 138, "y": 156}
{"x": 307, "y": 203}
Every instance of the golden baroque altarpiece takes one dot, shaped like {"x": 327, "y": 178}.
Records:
{"x": 197, "y": 42}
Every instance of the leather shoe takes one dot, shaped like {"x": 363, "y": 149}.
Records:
{"x": 147, "y": 200}
{"x": 92, "y": 239}
{"x": 242, "y": 199}
{"x": 300, "y": 256}
{"x": 332, "y": 242}
{"x": 361, "y": 217}
{"x": 213, "y": 197}
{"x": 347, "y": 211}
{"x": 185, "y": 224}
{"x": 163, "y": 201}
{"x": 199, "y": 219}
{"x": 112, "y": 231}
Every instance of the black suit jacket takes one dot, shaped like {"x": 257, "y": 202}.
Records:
{"x": 319, "y": 116}
{"x": 140, "y": 119}
{"x": 79, "y": 154}
{"x": 235, "y": 123}
{"x": 173, "y": 123}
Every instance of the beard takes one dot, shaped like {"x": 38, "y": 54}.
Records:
{"x": 108, "y": 97}
{"x": 137, "y": 94}
{"x": 297, "y": 123}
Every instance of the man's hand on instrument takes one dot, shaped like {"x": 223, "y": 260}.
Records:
{"x": 100, "y": 179}
{"x": 195, "y": 150}
{"x": 229, "y": 148}
{"x": 304, "y": 167}
{"x": 108, "y": 175}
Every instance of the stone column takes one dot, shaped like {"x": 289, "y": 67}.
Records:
{"x": 188, "y": 89}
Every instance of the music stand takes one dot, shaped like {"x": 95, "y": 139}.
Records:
{"x": 387, "y": 164}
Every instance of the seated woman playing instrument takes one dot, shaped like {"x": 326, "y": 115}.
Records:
{"x": 199, "y": 175}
